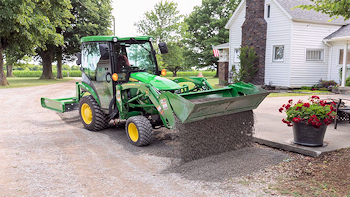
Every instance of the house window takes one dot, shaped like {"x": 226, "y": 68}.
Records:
{"x": 341, "y": 57}
{"x": 236, "y": 55}
{"x": 268, "y": 11}
{"x": 314, "y": 55}
{"x": 278, "y": 53}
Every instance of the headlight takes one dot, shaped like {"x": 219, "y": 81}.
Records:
{"x": 115, "y": 39}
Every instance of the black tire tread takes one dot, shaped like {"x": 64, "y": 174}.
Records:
{"x": 100, "y": 119}
{"x": 145, "y": 130}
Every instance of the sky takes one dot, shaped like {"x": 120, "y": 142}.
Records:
{"x": 127, "y": 12}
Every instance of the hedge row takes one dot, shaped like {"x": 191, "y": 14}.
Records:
{"x": 77, "y": 73}
{"x": 18, "y": 73}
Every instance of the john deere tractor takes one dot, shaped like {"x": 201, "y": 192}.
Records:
{"x": 121, "y": 81}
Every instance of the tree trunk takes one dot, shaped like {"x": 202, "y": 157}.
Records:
{"x": 3, "y": 80}
{"x": 217, "y": 72}
{"x": 47, "y": 57}
{"x": 9, "y": 71}
{"x": 59, "y": 67}
{"x": 174, "y": 73}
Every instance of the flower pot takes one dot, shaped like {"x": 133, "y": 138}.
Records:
{"x": 308, "y": 135}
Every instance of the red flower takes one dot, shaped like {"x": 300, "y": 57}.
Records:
{"x": 281, "y": 109}
{"x": 309, "y": 121}
{"x": 300, "y": 101}
{"x": 323, "y": 103}
{"x": 288, "y": 106}
{"x": 306, "y": 105}
{"x": 314, "y": 117}
{"x": 315, "y": 97}
{"x": 298, "y": 108}
{"x": 290, "y": 101}
{"x": 327, "y": 121}
{"x": 296, "y": 119}
{"x": 318, "y": 125}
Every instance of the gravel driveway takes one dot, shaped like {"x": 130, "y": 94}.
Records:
{"x": 44, "y": 153}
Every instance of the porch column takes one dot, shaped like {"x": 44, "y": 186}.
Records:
{"x": 345, "y": 58}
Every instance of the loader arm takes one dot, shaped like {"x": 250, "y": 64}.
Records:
{"x": 158, "y": 101}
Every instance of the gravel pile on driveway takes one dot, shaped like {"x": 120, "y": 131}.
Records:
{"x": 230, "y": 164}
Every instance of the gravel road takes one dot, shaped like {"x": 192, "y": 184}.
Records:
{"x": 44, "y": 153}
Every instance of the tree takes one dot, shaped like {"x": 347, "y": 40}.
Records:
{"x": 13, "y": 54}
{"x": 59, "y": 15}
{"x": 165, "y": 24}
{"x": 15, "y": 57}
{"x": 22, "y": 26}
{"x": 162, "y": 23}
{"x": 91, "y": 17}
{"x": 174, "y": 60}
{"x": 333, "y": 8}
{"x": 206, "y": 27}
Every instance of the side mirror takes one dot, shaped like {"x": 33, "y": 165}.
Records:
{"x": 163, "y": 48}
{"x": 79, "y": 58}
{"x": 104, "y": 51}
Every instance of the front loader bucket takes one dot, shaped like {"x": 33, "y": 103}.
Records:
{"x": 190, "y": 107}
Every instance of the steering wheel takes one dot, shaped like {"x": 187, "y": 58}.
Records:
{"x": 130, "y": 68}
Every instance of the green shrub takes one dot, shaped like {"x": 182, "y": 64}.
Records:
{"x": 305, "y": 88}
{"x": 327, "y": 84}
{"x": 72, "y": 73}
{"x": 19, "y": 73}
{"x": 347, "y": 82}
{"x": 248, "y": 65}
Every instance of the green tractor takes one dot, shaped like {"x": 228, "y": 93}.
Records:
{"x": 121, "y": 81}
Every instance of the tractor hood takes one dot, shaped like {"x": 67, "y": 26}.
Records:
{"x": 158, "y": 82}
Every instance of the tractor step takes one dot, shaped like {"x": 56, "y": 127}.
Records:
{"x": 61, "y": 105}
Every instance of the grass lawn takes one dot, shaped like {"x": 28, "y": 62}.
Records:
{"x": 18, "y": 82}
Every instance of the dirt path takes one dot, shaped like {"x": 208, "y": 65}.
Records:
{"x": 44, "y": 153}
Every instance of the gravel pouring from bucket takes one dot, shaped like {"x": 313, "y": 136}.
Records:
{"x": 212, "y": 136}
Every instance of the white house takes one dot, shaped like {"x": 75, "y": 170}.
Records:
{"x": 302, "y": 46}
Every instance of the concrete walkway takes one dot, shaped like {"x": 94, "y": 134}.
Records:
{"x": 271, "y": 131}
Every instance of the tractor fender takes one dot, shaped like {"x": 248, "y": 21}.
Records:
{"x": 87, "y": 88}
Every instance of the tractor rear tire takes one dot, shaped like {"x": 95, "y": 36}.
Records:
{"x": 93, "y": 118}
{"x": 139, "y": 130}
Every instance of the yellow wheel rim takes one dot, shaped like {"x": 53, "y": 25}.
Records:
{"x": 133, "y": 132}
{"x": 86, "y": 113}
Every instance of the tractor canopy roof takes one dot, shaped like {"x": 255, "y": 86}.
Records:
{"x": 112, "y": 38}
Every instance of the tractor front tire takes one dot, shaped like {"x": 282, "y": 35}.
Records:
{"x": 91, "y": 114}
{"x": 139, "y": 130}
